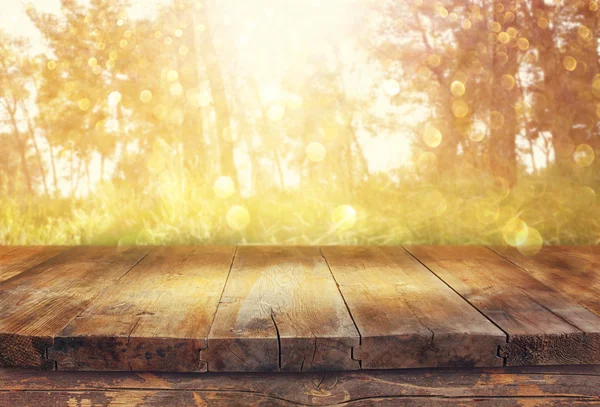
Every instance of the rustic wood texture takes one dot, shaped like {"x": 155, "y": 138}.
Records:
{"x": 16, "y": 259}
{"x": 188, "y": 309}
{"x": 540, "y": 386}
{"x": 574, "y": 271}
{"x": 544, "y": 327}
{"x": 281, "y": 310}
{"x": 37, "y": 304}
{"x": 407, "y": 317}
{"x": 156, "y": 318}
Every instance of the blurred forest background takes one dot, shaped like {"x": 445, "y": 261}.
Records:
{"x": 302, "y": 122}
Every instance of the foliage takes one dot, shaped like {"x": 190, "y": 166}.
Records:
{"x": 161, "y": 130}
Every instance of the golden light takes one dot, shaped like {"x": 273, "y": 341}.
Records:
{"x": 343, "y": 217}
{"x": 585, "y": 33}
{"x": 502, "y": 58}
{"x": 238, "y": 217}
{"x": 515, "y": 232}
{"x": 432, "y": 137}
{"x": 114, "y": 98}
{"x": 487, "y": 211}
{"x": 532, "y": 244}
{"x": 294, "y": 102}
{"x": 586, "y": 197}
{"x": 176, "y": 89}
{"x": 146, "y": 96}
{"x": 523, "y": 44}
{"x": 392, "y": 87}
{"x": 478, "y": 131}
{"x": 434, "y": 60}
{"x": 584, "y": 155}
{"x": 84, "y": 104}
{"x": 224, "y": 187}
{"x": 316, "y": 152}
{"x": 507, "y": 81}
{"x": 284, "y": 98}
{"x": 458, "y": 88}
{"x": 204, "y": 99}
{"x": 276, "y": 112}
{"x": 460, "y": 108}
{"x": 504, "y": 38}
{"x": 172, "y": 75}
{"x": 570, "y": 63}
{"x": 435, "y": 203}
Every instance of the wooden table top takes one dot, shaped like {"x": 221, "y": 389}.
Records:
{"x": 292, "y": 309}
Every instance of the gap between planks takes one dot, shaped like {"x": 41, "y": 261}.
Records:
{"x": 347, "y": 307}
{"x": 467, "y": 301}
{"x": 541, "y": 296}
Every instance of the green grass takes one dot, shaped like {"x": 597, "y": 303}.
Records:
{"x": 562, "y": 210}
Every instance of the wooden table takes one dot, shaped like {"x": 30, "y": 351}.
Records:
{"x": 258, "y": 310}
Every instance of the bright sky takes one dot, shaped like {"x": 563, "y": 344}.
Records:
{"x": 14, "y": 20}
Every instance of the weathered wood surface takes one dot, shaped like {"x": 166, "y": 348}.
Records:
{"x": 17, "y": 259}
{"x": 574, "y": 271}
{"x": 281, "y": 310}
{"x": 544, "y": 327}
{"x": 37, "y": 304}
{"x": 541, "y": 386}
{"x": 157, "y": 317}
{"x": 407, "y": 317}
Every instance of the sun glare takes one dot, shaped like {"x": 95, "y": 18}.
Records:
{"x": 273, "y": 38}
{"x": 299, "y": 121}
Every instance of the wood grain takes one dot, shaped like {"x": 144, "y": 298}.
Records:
{"x": 156, "y": 318}
{"x": 407, "y": 317}
{"x": 544, "y": 326}
{"x": 281, "y": 310}
{"x": 234, "y": 399}
{"x": 17, "y": 259}
{"x": 574, "y": 271}
{"x": 541, "y": 386}
{"x": 36, "y": 304}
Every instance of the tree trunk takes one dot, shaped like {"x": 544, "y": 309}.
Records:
{"x": 53, "y": 166}
{"x": 22, "y": 151}
{"x": 217, "y": 87}
{"x": 192, "y": 137}
{"x": 36, "y": 147}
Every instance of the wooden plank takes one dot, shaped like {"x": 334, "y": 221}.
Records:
{"x": 38, "y": 303}
{"x": 544, "y": 326}
{"x": 156, "y": 318}
{"x": 281, "y": 310}
{"x": 228, "y": 399}
{"x": 574, "y": 271}
{"x": 407, "y": 317}
{"x": 540, "y": 386}
{"x": 17, "y": 259}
